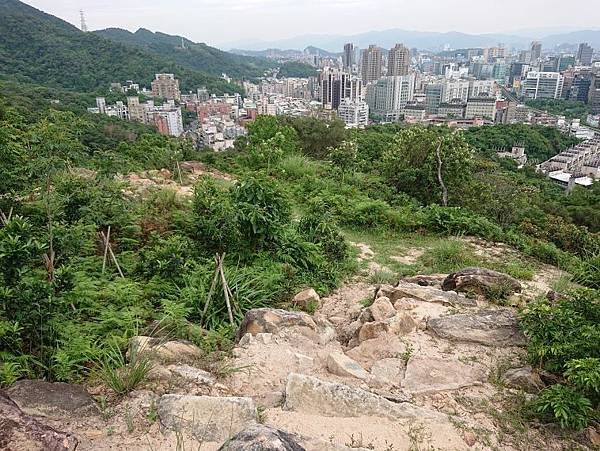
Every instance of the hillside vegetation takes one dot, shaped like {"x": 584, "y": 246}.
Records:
{"x": 39, "y": 48}
{"x": 194, "y": 56}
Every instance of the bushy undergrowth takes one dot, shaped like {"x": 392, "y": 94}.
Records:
{"x": 565, "y": 338}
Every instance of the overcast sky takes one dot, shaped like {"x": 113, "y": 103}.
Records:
{"x": 222, "y": 21}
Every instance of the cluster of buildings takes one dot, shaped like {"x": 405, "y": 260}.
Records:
{"x": 579, "y": 165}
{"x": 167, "y": 117}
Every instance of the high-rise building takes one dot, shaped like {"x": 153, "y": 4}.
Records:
{"x": 456, "y": 89}
{"x": 481, "y": 107}
{"x": 371, "y": 64}
{"x": 337, "y": 85}
{"x": 398, "y": 61}
{"x": 594, "y": 94}
{"x": 543, "y": 85}
{"x": 580, "y": 87}
{"x": 166, "y": 86}
{"x": 535, "y": 51}
{"x": 434, "y": 96}
{"x": 349, "y": 57}
{"x": 354, "y": 114}
{"x": 585, "y": 54}
{"x": 388, "y": 96}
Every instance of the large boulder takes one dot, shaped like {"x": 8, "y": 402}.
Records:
{"x": 481, "y": 281}
{"x": 308, "y": 300}
{"x": 490, "y": 328}
{"x": 430, "y": 374}
{"x": 524, "y": 379}
{"x": 276, "y": 321}
{"x": 164, "y": 351}
{"x": 19, "y": 431}
{"x": 53, "y": 400}
{"x": 425, "y": 294}
{"x": 211, "y": 418}
{"x": 258, "y": 437}
{"x": 311, "y": 395}
{"x": 432, "y": 280}
{"x": 401, "y": 324}
{"x": 383, "y": 347}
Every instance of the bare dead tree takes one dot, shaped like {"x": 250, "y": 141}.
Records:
{"x": 438, "y": 154}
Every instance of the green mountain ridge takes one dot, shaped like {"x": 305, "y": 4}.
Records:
{"x": 36, "y": 47}
{"x": 195, "y": 56}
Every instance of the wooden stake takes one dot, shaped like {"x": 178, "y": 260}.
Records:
{"x": 225, "y": 290}
{"x": 111, "y": 253}
{"x": 106, "y": 241}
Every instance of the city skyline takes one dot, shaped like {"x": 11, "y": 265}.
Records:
{"x": 233, "y": 21}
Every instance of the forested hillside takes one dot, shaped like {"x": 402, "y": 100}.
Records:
{"x": 195, "y": 56}
{"x": 40, "y": 48}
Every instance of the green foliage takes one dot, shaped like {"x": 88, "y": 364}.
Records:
{"x": 571, "y": 109}
{"x": 564, "y": 331}
{"x": 317, "y": 136}
{"x": 121, "y": 376}
{"x": 565, "y": 406}
{"x": 564, "y": 338}
{"x": 195, "y": 56}
{"x": 411, "y": 163}
{"x": 448, "y": 256}
{"x": 584, "y": 374}
{"x": 296, "y": 69}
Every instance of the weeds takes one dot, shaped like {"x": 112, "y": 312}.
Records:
{"x": 120, "y": 376}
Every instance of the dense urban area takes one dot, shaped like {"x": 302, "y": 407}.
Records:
{"x": 390, "y": 249}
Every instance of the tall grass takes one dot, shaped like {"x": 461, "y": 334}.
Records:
{"x": 448, "y": 256}
{"x": 120, "y": 376}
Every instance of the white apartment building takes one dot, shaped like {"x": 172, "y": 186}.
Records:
{"x": 354, "y": 114}
{"x": 481, "y": 107}
{"x": 478, "y": 88}
{"x": 457, "y": 89}
{"x": 543, "y": 85}
{"x": 389, "y": 95}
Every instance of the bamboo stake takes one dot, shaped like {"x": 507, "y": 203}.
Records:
{"x": 225, "y": 291}
{"x": 111, "y": 253}
{"x": 105, "y": 249}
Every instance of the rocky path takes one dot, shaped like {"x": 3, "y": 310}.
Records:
{"x": 377, "y": 367}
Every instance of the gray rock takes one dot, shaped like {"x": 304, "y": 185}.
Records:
{"x": 307, "y": 300}
{"x": 382, "y": 347}
{"x": 490, "y": 328}
{"x": 481, "y": 281}
{"x": 387, "y": 372}
{"x": 262, "y": 438}
{"x": 341, "y": 365}
{"x": 53, "y": 400}
{"x": 192, "y": 374}
{"x": 425, "y": 294}
{"x": 311, "y": 395}
{"x": 208, "y": 418}
{"x": 433, "y": 280}
{"x": 430, "y": 375}
{"x": 19, "y": 431}
{"x": 523, "y": 378}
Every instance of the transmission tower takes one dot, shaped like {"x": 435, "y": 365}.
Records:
{"x": 84, "y": 27}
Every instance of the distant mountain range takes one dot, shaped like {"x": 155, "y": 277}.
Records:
{"x": 423, "y": 40}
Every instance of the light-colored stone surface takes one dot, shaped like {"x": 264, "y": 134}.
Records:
{"x": 307, "y": 300}
{"x": 523, "y": 378}
{"x": 382, "y": 309}
{"x": 385, "y": 346}
{"x": 387, "y": 372}
{"x": 425, "y": 294}
{"x": 341, "y": 365}
{"x": 164, "y": 351}
{"x": 481, "y": 281}
{"x": 212, "y": 418}
{"x": 311, "y": 395}
{"x": 262, "y": 438}
{"x": 428, "y": 375}
{"x": 490, "y": 328}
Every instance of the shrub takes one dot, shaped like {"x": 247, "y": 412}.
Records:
{"x": 567, "y": 330}
{"x": 564, "y": 405}
{"x": 584, "y": 374}
{"x": 120, "y": 376}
